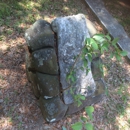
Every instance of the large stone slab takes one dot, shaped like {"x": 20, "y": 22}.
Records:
{"x": 52, "y": 109}
{"x": 84, "y": 84}
{"x": 45, "y": 61}
{"x": 111, "y": 24}
{"x": 71, "y": 32}
{"x": 39, "y": 35}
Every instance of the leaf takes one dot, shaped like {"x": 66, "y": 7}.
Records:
{"x": 85, "y": 63}
{"x": 83, "y": 56}
{"x": 83, "y": 118}
{"x": 123, "y": 53}
{"x": 115, "y": 40}
{"x": 87, "y": 41}
{"x": 73, "y": 79}
{"x": 69, "y": 76}
{"x": 108, "y": 37}
{"x": 63, "y": 128}
{"x": 84, "y": 50}
{"x": 111, "y": 55}
{"x": 99, "y": 37}
{"x": 94, "y": 44}
{"x": 82, "y": 97}
{"x": 89, "y": 57}
{"x": 87, "y": 70}
{"x": 82, "y": 68}
{"x": 77, "y": 126}
{"x": 71, "y": 91}
{"x": 79, "y": 103}
{"x": 106, "y": 44}
{"x": 89, "y": 110}
{"x": 118, "y": 57}
{"x": 104, "y": 49}
{"x": 89, "y": 126}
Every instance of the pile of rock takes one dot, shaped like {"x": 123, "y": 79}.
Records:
{"x": 51, "y": 51}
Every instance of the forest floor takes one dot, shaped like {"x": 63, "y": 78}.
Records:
{"x": 18, "y": 106}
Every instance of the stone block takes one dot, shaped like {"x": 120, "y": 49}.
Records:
{"x": 52, "y": 109}
{"x": 48, "y": 85}
{"x": 33, "y": 80}
{"x": 39, "y": 35}
{"x": 44, "y": 61}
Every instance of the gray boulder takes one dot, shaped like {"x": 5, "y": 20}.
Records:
{"x": 39, "y": 35}
{"x": 71, "y": 33}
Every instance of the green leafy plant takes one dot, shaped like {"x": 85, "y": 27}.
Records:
{"x": 96, "y": 45}
{"x": 84, "y": 121}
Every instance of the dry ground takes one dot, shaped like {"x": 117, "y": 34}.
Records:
{"x": 18, "y": 107}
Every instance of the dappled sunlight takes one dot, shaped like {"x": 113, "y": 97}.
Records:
{"x": 30, "y": 5}
{"x": 4, "y": 47}
{"x": 6, "y": 123}
{"x": 49, "y": 18}
{"x": 65, "y": 8}
{"x": 65, "y": 0}
{"x": 123, "y": 121}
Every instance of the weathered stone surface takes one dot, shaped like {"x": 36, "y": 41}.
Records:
{"x": 52, "y": 109}
{"x": 39, "y": 35}
{"x": 48, "y": 85}
{"x": 98, "y": 95}
{"x": 44, "y": 61}
{"x": 111, "y": 24}
{"x": 71, "y": 32}
{"x": 72, "y": 108}
{"x": 28, "y": 60}
{"x": 91, "y": 28}
{"x": 84, "y": 84}
{"x": 33, "y": 80}
{"x": 96, "y": 67}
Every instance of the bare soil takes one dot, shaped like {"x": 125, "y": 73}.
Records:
{"x": 18, "y": 106}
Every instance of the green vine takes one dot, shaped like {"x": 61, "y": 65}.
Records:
{"x": 96, "y": 45}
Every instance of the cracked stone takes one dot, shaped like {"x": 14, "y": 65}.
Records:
{"x": 44, "y": 61}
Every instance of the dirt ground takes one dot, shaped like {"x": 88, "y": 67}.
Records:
{"x": 18, "y": 106}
